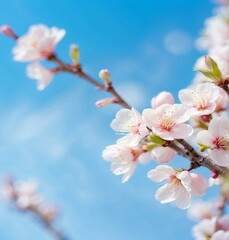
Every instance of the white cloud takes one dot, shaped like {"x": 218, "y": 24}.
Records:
{"x": 178, "y": 42}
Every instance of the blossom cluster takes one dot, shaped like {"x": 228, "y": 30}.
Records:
{"x": 210, "y": 225}
{"x": 201, "y": 116}
{"x": 25, "y": 197}
{"x": 146, "y": 135}
{"x": 156, "y": 133}
{"x": 215, "y": 39}
{"x": 38, "y": 44}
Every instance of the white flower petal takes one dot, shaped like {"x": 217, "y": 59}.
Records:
{"x": 181, "y": 130}
{"x": 205, "y": 138}
{"x": 165, "y": 194}
{"x": 183, "y": 197}
{"x": 220, "y": 156}
{"x": 161, "y": 173}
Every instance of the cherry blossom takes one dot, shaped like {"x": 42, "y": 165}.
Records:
{"x": 199, "y": 185}
{"x": 159, "y": 154}
{"x": 179, "y": 187}
{"x": 216, "y": 32}
{"x": 200, "y": 210}
{"x": 43, "y": 75}
{"x": 204, "y": 229}
{"x": 167, "y": 121}
{"x": 216, "y": 228}
{"x": 129, "y": 121}
{"x": 222, "y": 101}
{"x": 123, "y": 160}
{"x": 201, "y": 100}
{"x": 162, "y": 98}
{"x": 148, "y": 136}
{"x": 216, "y": 140}
{"x": 27, "y": 194}
{"x": 38, "y": 43}
{"x": 220, "y": 235}
{"x": 223, "y": 223}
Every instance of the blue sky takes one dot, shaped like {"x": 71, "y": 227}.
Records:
{"x": 56, "y": 136}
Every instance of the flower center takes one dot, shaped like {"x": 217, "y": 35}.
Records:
{"x": 34, "y": 42}
{"x": 222, "y": 143}
{"x": 135, "y": 129}
{"x": 174, "y": 180}
{"x": 166, "y": 124}
{"x": 200, "y": 104}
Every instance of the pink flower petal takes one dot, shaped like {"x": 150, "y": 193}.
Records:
{"x": 181, "y": 130}
{"x": 219, "y": 126}
{"x": 162, "y": 98}
{"x": 163, "y": 154}
{"x": 199, "y": 185}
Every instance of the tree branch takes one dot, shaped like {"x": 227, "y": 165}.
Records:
{"x": 77, "y": 70}
{"x": 205, "y": 161}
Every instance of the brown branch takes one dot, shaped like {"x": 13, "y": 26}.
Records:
{"x": 222, "y": 205}
{"x": 47, "y": 224}
{"x": 182, "y": 152}
{"x": 32, "y": 210}
{"x": 224, "y": 85}
{"x": 186, "y": 150}
{"x": 200, "y": 160}
{"x": 76, "y": 69}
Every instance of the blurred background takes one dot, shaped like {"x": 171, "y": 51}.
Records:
{"x": 56, "y": 136}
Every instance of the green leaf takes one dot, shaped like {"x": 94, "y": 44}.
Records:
{"x": 74, "y": 53}
{"x": 215, "y": 69}
{"x": 155, "y": 139}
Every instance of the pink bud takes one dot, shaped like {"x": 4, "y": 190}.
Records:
{"x": 105, "y": 75}
{"x": 203, "y": 64}
{"x": 104, "y": 102}
{"x": 214, "y": 175}
{"x": 208, "y": 62}
{"x": 162, "y": 98}
{"x": 219, "y": 206}
{"x": 206, "y": 118}
{"x": 7, "y": 31}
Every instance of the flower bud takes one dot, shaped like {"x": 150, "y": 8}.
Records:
{"x": 207, "y": 66}
{"x": 203, "y": 147}
{"x": 7, "y": 31}
{"x": 162, "y": 98}
{"x": 74, "y": 53}
{"x": 104, "y": 74}
{"x": 206, "y": 118}
{"x": 214, "y": 175}
{"x": 104, "y": 102}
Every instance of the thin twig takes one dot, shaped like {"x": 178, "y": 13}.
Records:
{"x": 49, "y": 226}
{"x": 33, "y": 210}
{"x": 225, "y": 86}
{"x": 78, "y": 71}
{"x": 205, "y": 161}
